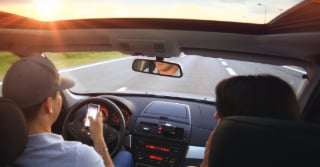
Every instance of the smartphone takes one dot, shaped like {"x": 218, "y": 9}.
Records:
{"x": 92, "y": 111}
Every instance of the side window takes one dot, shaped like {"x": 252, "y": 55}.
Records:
{"x": 6, "y": 60}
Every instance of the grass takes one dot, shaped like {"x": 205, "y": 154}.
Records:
{"x": 62, "y": 60}
{"x": 6, "y": 60}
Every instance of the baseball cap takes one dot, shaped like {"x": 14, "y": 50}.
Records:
{"x": 30, "y": 80}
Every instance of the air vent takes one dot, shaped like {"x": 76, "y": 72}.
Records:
{"x": 179, "y": 133}
{"x": 148, "y": 124}
{"x": 176, "y": 133}
{"x": 148, "y": 128}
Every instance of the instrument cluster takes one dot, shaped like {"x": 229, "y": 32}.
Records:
{"x": 112, "y": 118}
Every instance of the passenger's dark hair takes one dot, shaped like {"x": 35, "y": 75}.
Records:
{"x": 261, "y": 95}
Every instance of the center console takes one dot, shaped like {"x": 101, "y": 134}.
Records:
{"x": 161, "y": 135}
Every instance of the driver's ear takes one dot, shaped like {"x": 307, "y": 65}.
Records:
{"x": 48, "y": 105}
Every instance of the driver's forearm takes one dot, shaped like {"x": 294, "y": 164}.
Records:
{"x": 99, "y": 145}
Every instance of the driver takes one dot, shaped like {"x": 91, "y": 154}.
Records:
{"x": 35, "y": 85}
{"x": 167, "y": 68}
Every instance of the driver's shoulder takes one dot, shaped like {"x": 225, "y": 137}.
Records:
{"x": 79, "y": 148}
{"x": 85, "y": 155}
{"x": 55, "y": 143}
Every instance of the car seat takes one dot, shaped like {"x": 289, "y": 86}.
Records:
{"x": 13, "y": 132}
{"x": 255, "y": 141}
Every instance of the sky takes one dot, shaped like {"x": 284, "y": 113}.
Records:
{"x": 230, "y": 10}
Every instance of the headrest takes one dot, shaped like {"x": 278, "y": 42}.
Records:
{"x": 255, "y": 141}
{"x": 13, "y": 132}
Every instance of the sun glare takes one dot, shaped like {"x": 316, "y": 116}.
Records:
{"x": 46, "y": 9}
{"x": 249, "y": 11}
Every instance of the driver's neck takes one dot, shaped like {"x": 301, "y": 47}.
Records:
{"x": 35, "y": 127}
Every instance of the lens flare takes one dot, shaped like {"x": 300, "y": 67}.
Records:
{"x": 46, "y": 9}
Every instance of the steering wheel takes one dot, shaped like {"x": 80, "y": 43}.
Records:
{"x": 73, "y": 124}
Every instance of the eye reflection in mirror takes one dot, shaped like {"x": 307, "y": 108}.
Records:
{"x": 162, "y": 68}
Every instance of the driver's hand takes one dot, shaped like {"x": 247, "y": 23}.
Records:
{"x": 96, "y": 128}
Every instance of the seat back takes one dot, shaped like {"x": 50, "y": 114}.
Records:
{"x": 253, "y": 141}
{"x": 13, "y": 132}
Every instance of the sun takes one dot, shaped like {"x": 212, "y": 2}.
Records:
{"x": 46, "y": 9}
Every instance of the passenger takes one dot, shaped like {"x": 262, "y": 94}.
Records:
{"x": 35, "y": 85}
{"x": 261, "y": 96}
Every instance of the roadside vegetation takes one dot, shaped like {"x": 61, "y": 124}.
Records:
{"x": 6, "y": 59}
{"x": 62, "y": 60}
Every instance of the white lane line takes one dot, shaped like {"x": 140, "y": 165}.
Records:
{"x": 224, "y": 63}
{"x": 231, "y": 72}
{"x": 294, "y": 69}
{"x": 122, "y": 89}
{"x": 91, "y": 65}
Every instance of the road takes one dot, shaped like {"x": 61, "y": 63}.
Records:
{"x": 200, "y": 76}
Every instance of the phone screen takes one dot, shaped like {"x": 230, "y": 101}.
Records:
{"x": 92, "y": 111}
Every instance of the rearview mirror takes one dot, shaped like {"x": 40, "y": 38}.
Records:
{"x": 157, "y": 67}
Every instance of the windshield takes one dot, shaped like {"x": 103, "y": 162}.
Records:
{"x": 110, "y": 72}
{"x": 245, "y": 11}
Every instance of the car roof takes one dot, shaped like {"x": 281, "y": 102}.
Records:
{"x": 290, "y": 38}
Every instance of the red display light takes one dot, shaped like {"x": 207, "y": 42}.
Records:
{"x": 154, "y": 157}
{"x": 153, "y": 147}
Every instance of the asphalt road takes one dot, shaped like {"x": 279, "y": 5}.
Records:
{"x": 200, "y": 76}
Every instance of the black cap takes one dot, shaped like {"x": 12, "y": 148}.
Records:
{"x": 31, "y": 80}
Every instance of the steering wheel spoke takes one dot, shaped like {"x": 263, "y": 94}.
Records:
{"x": 111, "y": 135}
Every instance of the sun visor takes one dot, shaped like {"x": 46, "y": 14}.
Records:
{"x": 159, "y": 48}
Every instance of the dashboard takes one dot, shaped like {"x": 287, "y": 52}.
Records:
{"x": 160, "y": 131}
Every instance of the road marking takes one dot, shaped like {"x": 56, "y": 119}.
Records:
{"x": 294, "y": 69}
{"x": 91, "y": 65}
{"x": 224, "y": 63}
{"x": 231, "y": 72}
{"x": 122, "y": 89}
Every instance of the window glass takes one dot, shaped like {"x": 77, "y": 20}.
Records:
{"x": 110, "y": 72}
